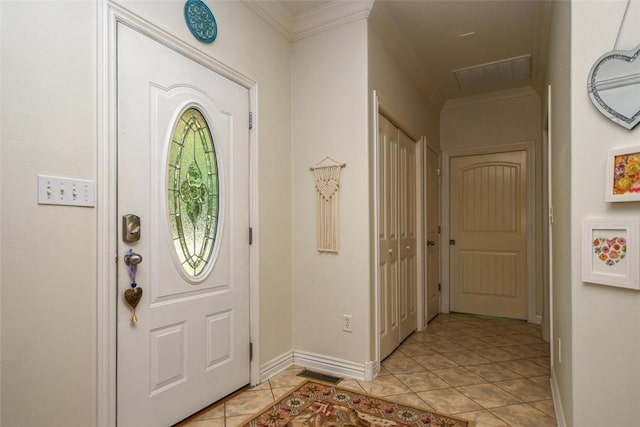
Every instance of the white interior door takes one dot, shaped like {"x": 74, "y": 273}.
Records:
{"x": 397, "y": 226}
{"x": 432, "y": 252}
{"x": 488, "y": 263}
{"x": 388, "y": 237}
{"x": 183, "y": 150}
{"x": 408, "y": 291}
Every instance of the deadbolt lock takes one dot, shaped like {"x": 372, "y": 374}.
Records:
{"x": 130, "y": 228}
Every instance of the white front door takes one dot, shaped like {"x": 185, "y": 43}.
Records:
{"x": 183, "y": 158}
{"x": 488, "y": 262}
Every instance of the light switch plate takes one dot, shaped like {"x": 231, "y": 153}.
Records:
{"x": 54, "y": 190}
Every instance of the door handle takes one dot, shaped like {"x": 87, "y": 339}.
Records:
{"x": 430, "y": 243}
{"x": 132, "y": 259}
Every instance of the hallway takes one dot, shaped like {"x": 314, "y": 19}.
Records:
{"x": 493, "y": 371}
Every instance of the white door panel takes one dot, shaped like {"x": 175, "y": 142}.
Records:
{"x": 398, "y": 236}
{"x": 190, "y": 346}
{"x": 488, "y": 223}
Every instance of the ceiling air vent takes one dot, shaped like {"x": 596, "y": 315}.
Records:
{"x": 503, "y": 71}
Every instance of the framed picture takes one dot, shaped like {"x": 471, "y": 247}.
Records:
{"x": 610, "y": 251}
{"x": 623, "y": 175}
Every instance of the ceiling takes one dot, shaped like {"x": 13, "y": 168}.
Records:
{"x": 431, "y": 31}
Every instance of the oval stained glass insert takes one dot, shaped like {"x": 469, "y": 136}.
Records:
{"x": 193, "y": 192}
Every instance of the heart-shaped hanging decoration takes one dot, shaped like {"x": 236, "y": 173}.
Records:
{"x": 133, "y": 296}
{"x": 614, "y": 86}
{"x": 610, "y": 250}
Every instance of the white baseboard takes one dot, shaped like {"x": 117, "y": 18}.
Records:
{"x": 275, "y": 366}
{"x": 557, "y": 402}
{"x": 331, "y": 365}
{"x": 328, "y": 365}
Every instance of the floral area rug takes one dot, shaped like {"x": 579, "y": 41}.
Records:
{"x": 320, "y": 405}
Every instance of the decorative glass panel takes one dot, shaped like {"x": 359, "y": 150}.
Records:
{"x": 193, "y": 191}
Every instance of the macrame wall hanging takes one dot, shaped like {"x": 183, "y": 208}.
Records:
{"x": 327, "y": 177}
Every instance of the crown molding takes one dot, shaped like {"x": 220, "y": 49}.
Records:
{"x": 315, "y": 21}
{"x": 274, "y": 14}
{"x": 501, "y": 95}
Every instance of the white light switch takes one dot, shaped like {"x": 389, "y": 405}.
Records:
{"x": 54, "y": 190}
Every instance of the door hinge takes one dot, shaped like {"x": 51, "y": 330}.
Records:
{"x": 250, "y": 120}
{"x": 439, "y": 287}
{"x": 250, "y": 235}
{"x": 439, "y": 229}
{"x": 438, "y": 172}
{"x": 452, "y": 242}
{"x": 250, "y": 351}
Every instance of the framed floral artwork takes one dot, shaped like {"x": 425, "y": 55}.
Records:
{"x": 610, "y": 252}
{"x": 623, "y": 175}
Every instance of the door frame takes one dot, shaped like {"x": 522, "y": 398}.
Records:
{"x": 109, "y": 15}
{"x": 380, "y": 106}
{"x": 529, "y": 148}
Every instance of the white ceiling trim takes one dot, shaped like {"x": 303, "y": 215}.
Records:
{"x": 489, "y": 97}
{"x": 332, "y": 15}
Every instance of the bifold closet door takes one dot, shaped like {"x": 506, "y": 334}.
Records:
{"x": 398, "y": 236}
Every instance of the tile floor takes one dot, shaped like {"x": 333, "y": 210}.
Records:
{"x": 492, "y": 371}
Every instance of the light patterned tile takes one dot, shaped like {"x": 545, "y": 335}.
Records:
{"x": 467, "y": 358}
{"x": 445, "y": 346}
{"x": 238, "y": 421}
{"x": 493, "y": 372}
{"x": 279, "y": 392}
{"x": 402, "y": 365}
{"x": 264, "y": 386}
{"x": 352, "y": 385}
{"x": 415, "y": 349}
{"x": 287, "y": 378}
{"x": 495, "y": 354}
{"x": 525, "y": 390}
{"x": 449, "y": 401}
{"x": 216, "y": 422}
{"x": 248, "y": 402}
{"x": 525, "y": 368}
{"x": 435, "y": 361}
{"x": 423, "y": 381}
{"x": 488, "y": 395}
{"x": 527, "y": 338}
{"x": 545, "y": 406}
{"x": 384, "y": 386}
{"x": 542, "y": 361}
{"x": 459, "y": 376}
{"x": 483, "y": 418}
{"x": 472, "y": 343}
{"x": 543, "y": 381}
{"x": 215, "y": 412}
{"x": 411, "y": 399}
{"x": 425, "y": 337}
{"x": 500, "y": 341}
{"x": 524, "y": 415}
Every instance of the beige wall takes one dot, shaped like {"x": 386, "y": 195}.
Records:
{"x": 48, "y": 253}
{"x": 329, "y": 118}
{"x": 48, "y": 116}
{"x": 558, "y": 75}
{"x": 605, "y": 320}
{"x": 507, "y": 117}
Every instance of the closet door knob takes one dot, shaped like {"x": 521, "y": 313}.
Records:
{"x": 430, "y": 243}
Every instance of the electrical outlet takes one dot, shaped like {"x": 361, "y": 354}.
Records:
{"x": 53, "y": 190}
{"x": 346, "y": 323}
